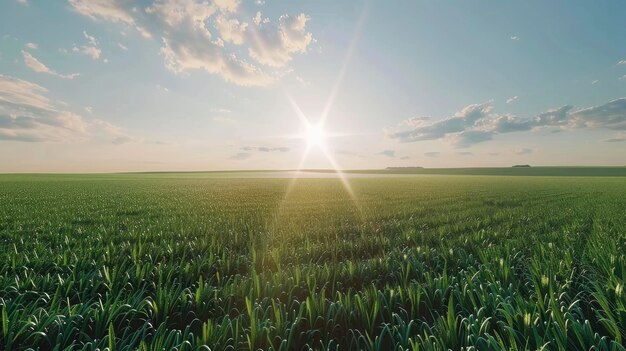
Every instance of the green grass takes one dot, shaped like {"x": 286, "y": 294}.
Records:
{"x": 153, "y": 262}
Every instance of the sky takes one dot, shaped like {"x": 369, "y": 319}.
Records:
{"x": 167, "y": 85}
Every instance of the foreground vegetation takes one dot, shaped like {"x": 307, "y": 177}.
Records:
{"x": 420, "y": 263}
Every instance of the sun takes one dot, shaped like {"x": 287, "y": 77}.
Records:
{"x": 315, "y": 135}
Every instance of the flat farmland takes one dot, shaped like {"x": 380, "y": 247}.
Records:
{"x": 225, "y": 261}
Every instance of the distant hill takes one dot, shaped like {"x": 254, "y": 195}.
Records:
{"x": 521, "y": 166}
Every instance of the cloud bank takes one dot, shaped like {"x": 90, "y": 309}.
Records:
{"x": 27, "y": 115}
{"x": 478, "y": 123}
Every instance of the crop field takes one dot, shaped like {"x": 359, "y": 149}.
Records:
{"x": 213, "y": 262}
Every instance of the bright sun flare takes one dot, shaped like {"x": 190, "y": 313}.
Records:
{"x": 315, "y": 135}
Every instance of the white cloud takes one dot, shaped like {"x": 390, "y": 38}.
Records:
{"x": 108, "y": 10}
{"x": 159, "y": 87}
{"x": 193, "y": 36}
{"x": 188, "y": 45}
{"x": 90, "y": 39}
{"x": 622, "y": 62}
{"x": 623, "y": 77}
{"x": 511, "y": 99}
{"x": 31, "y": 46}
{"x": 23, "y": 2}
{"x": 274, "y": 44}
{"x": 122, "y": 46}
{"x": 415, "y": 122}
{"x": 89, "y": 109}
{"x": 515, "y": 38}
{"x": 595, "y": 82}
{"x": 524, "y": 151}
{"x": 91, "y": 49}
{"x": 231, "y": 30}
{"x": 39, "y": 67}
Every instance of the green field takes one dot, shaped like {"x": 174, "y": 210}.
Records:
{"x": 209, "y": 261}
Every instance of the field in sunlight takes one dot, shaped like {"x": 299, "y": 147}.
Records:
{"x": 423, "y": 262}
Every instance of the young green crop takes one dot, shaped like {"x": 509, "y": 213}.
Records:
{"x": 197, "y": 261}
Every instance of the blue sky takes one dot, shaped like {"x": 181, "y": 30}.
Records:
{"x": 89, "y": 86}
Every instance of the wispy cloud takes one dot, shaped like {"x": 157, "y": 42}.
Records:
{"x": 266, "y": 148}
{"x": 32, "y": 46}
{"x": 91, "y": 49}
{"x": 302, "y": 81}
{"x": 162, "y": 88}
{"x": 595, "y": 82}
{"x": 223, "y": 119}
{"x": 618, "y": 138}
{"x": 108, "y": 10}
{"x": 514, "y": 37}
{"x": 37, "y": 66}
{"x": 221, "y": 110}
{"x": 432, "y": 154}
{"x": 524, "y": 151}
{"x": 511, "y": 99}
{"x": 241, "y": 156}
{"x": 388, "y": 153}
{"x": 223, "y": 115}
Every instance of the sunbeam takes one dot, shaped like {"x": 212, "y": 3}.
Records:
{"x": 344, "y": 66}
{"x": 315, "y": 134}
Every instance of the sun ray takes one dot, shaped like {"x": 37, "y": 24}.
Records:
{"x": 316, "y": 136}
{"x": 301, "y": 116}
{"x": 344, "y": 66}
{"x": 292, "y": 183}
{"x": 342, "y": 176}
{"x": 321, "y": 145}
